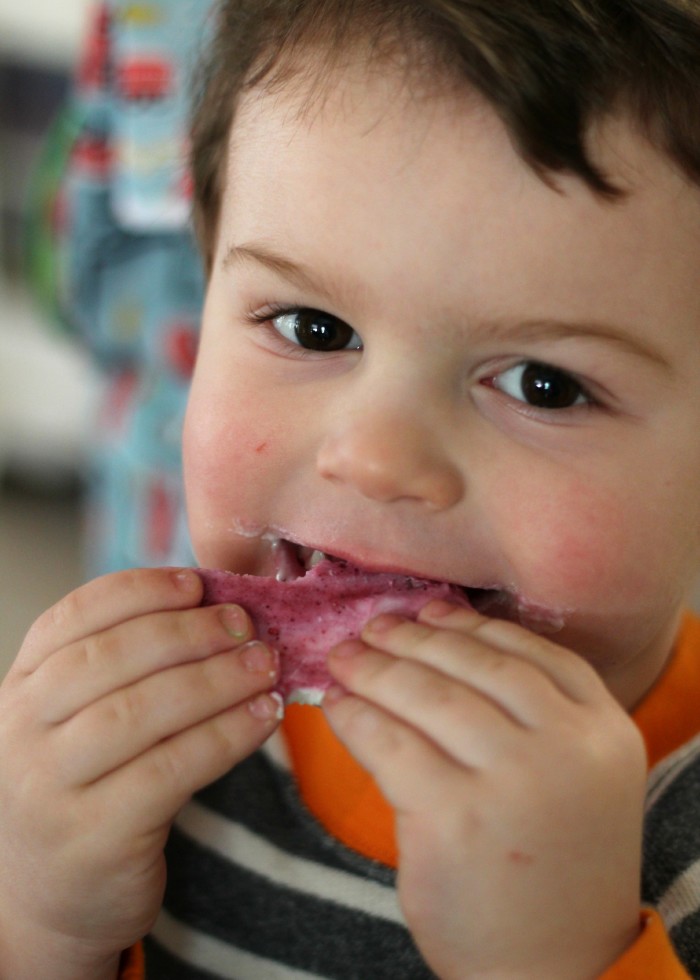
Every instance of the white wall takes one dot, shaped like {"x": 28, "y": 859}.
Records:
{"x": 48, "y": 30}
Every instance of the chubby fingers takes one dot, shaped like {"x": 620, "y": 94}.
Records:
{"x": 106, "y": 602}
{"x": 499, "y": 645}
{"x": 414, "y": 772}
{"x": 101, "y": 663}
{"x": 387, "y": 703}
{"x": 474, "y": 696}
{"x": 156, "y": 784}
{"x": 133, "y": 720}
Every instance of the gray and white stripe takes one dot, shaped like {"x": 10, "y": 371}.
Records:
{"x": 242, "y": 847}
{"x": 671, "y": 866}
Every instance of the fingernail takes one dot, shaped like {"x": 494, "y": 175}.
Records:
{"x": 267, "y": 706}
{"x": 259, "y": 659}
{"x": 186, "y": 580}
{"x": 235, "y": 621}
{"x": 348, "y": 648}
{"x": 334, "y": 694}
{"x": 384, "y": 623}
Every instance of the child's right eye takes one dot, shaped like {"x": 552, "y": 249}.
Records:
{"x": 541, "y": 386}
{"x": 315, "y": 330}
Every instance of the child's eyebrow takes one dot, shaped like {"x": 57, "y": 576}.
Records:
{"x": 496, "y": 330}
{"x": 295, "y": 273}
{"x": 555, "y": 329}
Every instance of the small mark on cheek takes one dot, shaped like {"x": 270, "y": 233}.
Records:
{"x": 520, "y": 857}
{"x": 261, "y": 448}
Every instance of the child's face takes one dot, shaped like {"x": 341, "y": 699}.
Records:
{"x": 517, "y": 404}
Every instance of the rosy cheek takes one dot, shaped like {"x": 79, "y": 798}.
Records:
{"x": 219, "y": 462}
{"x": 582, "y": 549}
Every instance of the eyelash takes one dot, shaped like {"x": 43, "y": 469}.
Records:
{"x": 270, "y": 312}
{"x": 264, "y": 318}
{"x": 273, "y": 311}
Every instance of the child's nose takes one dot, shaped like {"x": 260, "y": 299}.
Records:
{"x": 389, "y": 458}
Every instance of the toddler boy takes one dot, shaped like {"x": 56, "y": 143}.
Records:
{"x": 451, "y": 330}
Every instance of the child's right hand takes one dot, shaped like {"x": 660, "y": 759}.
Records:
{"x": 125, "y": 699}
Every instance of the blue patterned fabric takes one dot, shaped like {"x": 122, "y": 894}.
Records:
{"x": 129, "y": 276}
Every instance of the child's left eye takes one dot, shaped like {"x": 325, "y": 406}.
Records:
{"x": 541, "y": 386}
{"x": 316, "y": 330}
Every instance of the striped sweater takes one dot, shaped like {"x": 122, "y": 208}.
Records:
{"x": 259, "y": 884}
{"x": 260, "y": 889}
{"x": 671, "y": 873}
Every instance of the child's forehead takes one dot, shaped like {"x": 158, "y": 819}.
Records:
{"x": 374, "y": 97}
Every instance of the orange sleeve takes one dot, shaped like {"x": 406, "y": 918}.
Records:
{"x": 652, "y": 956}
{"x": 133, "y": 964}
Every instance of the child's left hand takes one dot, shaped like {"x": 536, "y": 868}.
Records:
{"x": 518, "y": 784}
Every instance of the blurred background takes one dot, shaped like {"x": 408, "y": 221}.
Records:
{"x": 98, "y": 266}
{"x": 48, "y": 387}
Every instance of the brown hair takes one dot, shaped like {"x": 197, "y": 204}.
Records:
{"x": 549, "y": 68}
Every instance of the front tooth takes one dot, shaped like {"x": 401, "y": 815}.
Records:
{"x": 315, "y": 558}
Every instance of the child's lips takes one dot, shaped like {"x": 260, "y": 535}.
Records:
{"x": 292, "y": 561}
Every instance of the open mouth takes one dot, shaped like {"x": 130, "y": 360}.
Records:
{"x": 293, "y": 561}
